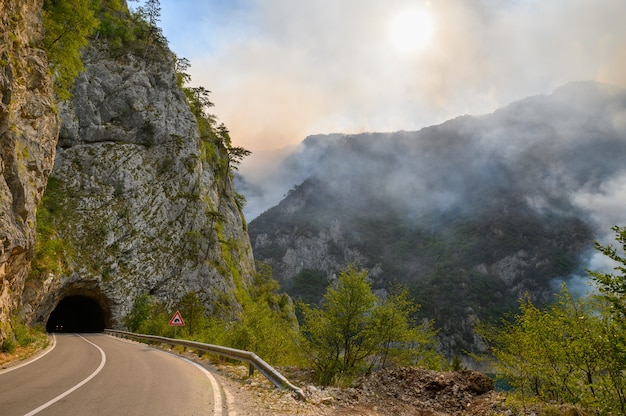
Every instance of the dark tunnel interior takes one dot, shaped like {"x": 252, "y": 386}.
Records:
{"x": 76, "y": 314}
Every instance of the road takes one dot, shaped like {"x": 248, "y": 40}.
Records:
{"x": 95, "y": 374}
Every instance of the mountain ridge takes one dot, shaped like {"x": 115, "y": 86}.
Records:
{"x": 499, "y": 200}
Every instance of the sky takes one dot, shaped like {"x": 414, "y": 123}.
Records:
{"x": 280, "y": 70}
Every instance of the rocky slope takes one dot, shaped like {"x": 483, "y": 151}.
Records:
{"x": 393, "y": 392}
{"x": 140, "y": 203}
{"x": 28, "y": 135}
{"x": 470, "y": 215}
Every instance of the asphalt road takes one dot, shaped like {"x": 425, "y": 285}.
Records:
{"x": 95, "y": 374}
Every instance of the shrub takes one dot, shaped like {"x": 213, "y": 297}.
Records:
{"x": 9, "y": 345}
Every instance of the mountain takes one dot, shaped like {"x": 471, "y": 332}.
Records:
{"x": 471, "y": 214}
{"x": 29, "y": 126}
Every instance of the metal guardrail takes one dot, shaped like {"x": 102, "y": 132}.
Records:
{"x": 253, "y": 360}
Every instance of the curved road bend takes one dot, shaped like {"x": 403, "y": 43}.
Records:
{"x": 95, "y": 374}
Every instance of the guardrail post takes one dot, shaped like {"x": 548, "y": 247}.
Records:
{"x": 250, "y": 370}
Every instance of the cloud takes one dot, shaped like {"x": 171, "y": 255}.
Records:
{"x": 280, "y": 70}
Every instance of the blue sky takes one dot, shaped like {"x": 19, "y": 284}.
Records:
{"x": 195, "y": 28}
{"x": 280, "y": 70}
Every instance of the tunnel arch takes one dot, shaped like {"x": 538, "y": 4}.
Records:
{"x": 79, "y": 312}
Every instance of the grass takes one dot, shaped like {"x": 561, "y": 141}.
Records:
{"x": 24, "y": 342}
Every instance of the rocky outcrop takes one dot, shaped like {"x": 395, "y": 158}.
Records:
{"x": 142, "y": 206}
{"x": 28, "y": 135}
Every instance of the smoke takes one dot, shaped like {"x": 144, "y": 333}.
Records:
{"x": 269, "y": 175}
{"x": 560, "y": 156}
{"x": 577, "y": 285}
{"x": 560, "y": 153}
{"x": 546, "y": 173}
{"x": 281, "y": 70}
{"x": 605, "y": 204}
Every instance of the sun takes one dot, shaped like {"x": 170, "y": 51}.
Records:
{"x": 411, "y": 31}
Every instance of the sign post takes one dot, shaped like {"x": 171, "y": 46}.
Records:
{"x": 176, "y": 321}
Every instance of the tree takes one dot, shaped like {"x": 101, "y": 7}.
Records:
{"x": 199, "y": 103}
{"x": 353, "y": 330}
{"x": 182, "y": 76}
{"x": 613, "y": 287}
{"x": 400, "y": 340}
{"x": 339, "y": 333}
{"x": 193, "y": 313}
{"x": 235, "y": 154}
{"x": 67, "y": 23}
{"x": 151, "y": 13}
{"x": 565, "y": 353}
{"x": 141, "y": 311}
{"x": 573, "y": 351}
{"x": 266, "y": 324}
{"x": 148, "y": 316}
{"x": 117, "y": 25}
{"x": 218, "y": 137}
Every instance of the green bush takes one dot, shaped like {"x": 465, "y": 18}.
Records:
{"x": 24, "y": 335}
{"x": 573, "y": 351}
{"x": 265, "y": 325}
{"x": 354, "y": 332}
{"x": 52, "y": 252}
{"x": 9, "y": 345}
{"x": 68, "y": 24}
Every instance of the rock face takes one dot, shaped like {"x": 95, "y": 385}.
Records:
{"x": 28, "y": 134}
{"x": 142, "y": 206}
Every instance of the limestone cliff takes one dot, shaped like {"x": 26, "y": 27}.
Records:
{"x": 143, "y": 204}
{"x": 28, "y": 134}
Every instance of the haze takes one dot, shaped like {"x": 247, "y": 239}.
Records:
{"x": 280, "y": 70}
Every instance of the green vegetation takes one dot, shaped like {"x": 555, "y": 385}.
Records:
{"x": 444, "y": 258}
{"x": 23, "y": 340}
{"x": 266, "y": 324}
{"x": 353, "y": 332}
{"x": 263, "y": 325}
{"x": 68, "y": 24}
{"x": 307, "y": 286}
{"x": 613, "y": 287}
{"x": 216, "y": 142}
{"x": 115, "y": 26}
{"x": 52, "y": 252}
{"x": 573, "y": 351}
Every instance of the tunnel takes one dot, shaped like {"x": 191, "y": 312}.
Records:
{"x": 77, "y": 313}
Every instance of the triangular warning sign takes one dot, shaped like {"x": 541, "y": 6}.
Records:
{"x": 177, "y": 320}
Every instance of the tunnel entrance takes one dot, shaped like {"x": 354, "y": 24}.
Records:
{"x": 77, "y": 313}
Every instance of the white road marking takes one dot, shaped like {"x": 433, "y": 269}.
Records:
{"x": 230, "y": 400}
{"x": 76, "y": 387}
{"x": 217, "y": 396}
{"x": 33, "y": 360}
